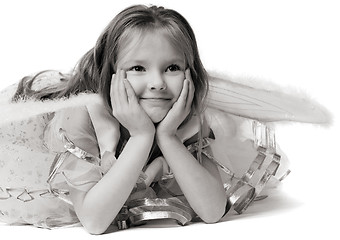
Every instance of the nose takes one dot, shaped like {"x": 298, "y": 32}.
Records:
{"x": 156, "y": 82}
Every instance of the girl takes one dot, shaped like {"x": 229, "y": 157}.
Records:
{"x": 128, "y": 135}
{"x": 146, "y": 67}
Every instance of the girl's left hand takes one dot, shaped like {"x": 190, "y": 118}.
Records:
{"x": 180, "y": 109}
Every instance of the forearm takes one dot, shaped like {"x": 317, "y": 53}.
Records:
{"x": 100, "y": 205}
{"x": 201, "y": 184}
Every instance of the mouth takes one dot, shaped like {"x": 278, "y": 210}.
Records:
{"x": 156, "y": 99}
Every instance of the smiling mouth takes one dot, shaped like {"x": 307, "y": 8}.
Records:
{"x": 156, "y": 99}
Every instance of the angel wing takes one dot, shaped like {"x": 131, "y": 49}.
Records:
{"x": 265, "y": 104}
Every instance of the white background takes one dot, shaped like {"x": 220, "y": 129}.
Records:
{"x": 292, "y": 43}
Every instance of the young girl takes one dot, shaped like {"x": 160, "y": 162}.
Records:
{"x": 141, "y": 149}
{"x": 146, "y": 67}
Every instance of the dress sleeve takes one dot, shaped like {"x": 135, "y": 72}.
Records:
{"x": 76, "y": 122}
{"x": 77, "y": 165}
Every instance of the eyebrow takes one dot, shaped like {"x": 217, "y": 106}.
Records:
{"x": 134, "y": 61}
{"x": 143, "y": 62}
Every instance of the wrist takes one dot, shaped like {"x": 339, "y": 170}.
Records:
{"x": 142, "y": 139}
{"x": 165, "y": 137}
{"x": 143, "y": 133}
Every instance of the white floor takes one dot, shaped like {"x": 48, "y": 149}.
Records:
{"x": 279, "y": 217}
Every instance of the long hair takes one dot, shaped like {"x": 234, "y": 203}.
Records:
{"x": 94, "y": 71}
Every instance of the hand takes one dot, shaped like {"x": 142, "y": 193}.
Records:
{"x": 180, "y": 109}
{"x": 155, "y": 170}
{"x": 125, "y": 107}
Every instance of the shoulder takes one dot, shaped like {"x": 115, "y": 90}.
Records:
{"x": 73, "y": 118}
{"x": 77, "y": 123}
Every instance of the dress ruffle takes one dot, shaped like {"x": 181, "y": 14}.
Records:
{"x": 25, "y": 196}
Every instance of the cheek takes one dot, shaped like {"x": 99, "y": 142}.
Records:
{"x": 175, "y": 85}
{"x": 137, "y": 85}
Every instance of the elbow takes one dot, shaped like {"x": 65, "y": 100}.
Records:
{"x": 211, "y": 218}
{"x": 94, "y": 227}
{"x": 214, "y": 215}
{"x": 95, "y": 231}
{"x": 95, "y": 223}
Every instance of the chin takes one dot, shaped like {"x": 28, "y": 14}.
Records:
{"x": 157, "y": 119}
{"x": 156, "y": 114}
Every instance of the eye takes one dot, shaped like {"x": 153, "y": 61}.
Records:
{"x": 173, "y": 68}
{"x": 137, "y": 68}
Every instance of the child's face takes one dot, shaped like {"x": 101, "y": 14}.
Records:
{"x": 155, "y": 70}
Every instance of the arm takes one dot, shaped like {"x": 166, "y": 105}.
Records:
{"x": 201, "y": 184}
{"x": 97, "y": 207}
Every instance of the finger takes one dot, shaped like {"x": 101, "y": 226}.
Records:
{"x": 117, "y": 90}
{"x": 191, "y": 92}
{"x": 131, "y": 95}
{"x": 112, "y": 91}
{"x": 184, "y": 93}
{"x": 187, "y": 74}
{"x": 121, "y": 94}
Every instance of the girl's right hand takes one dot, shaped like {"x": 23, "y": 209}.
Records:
{"x": 125, "y": 107}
